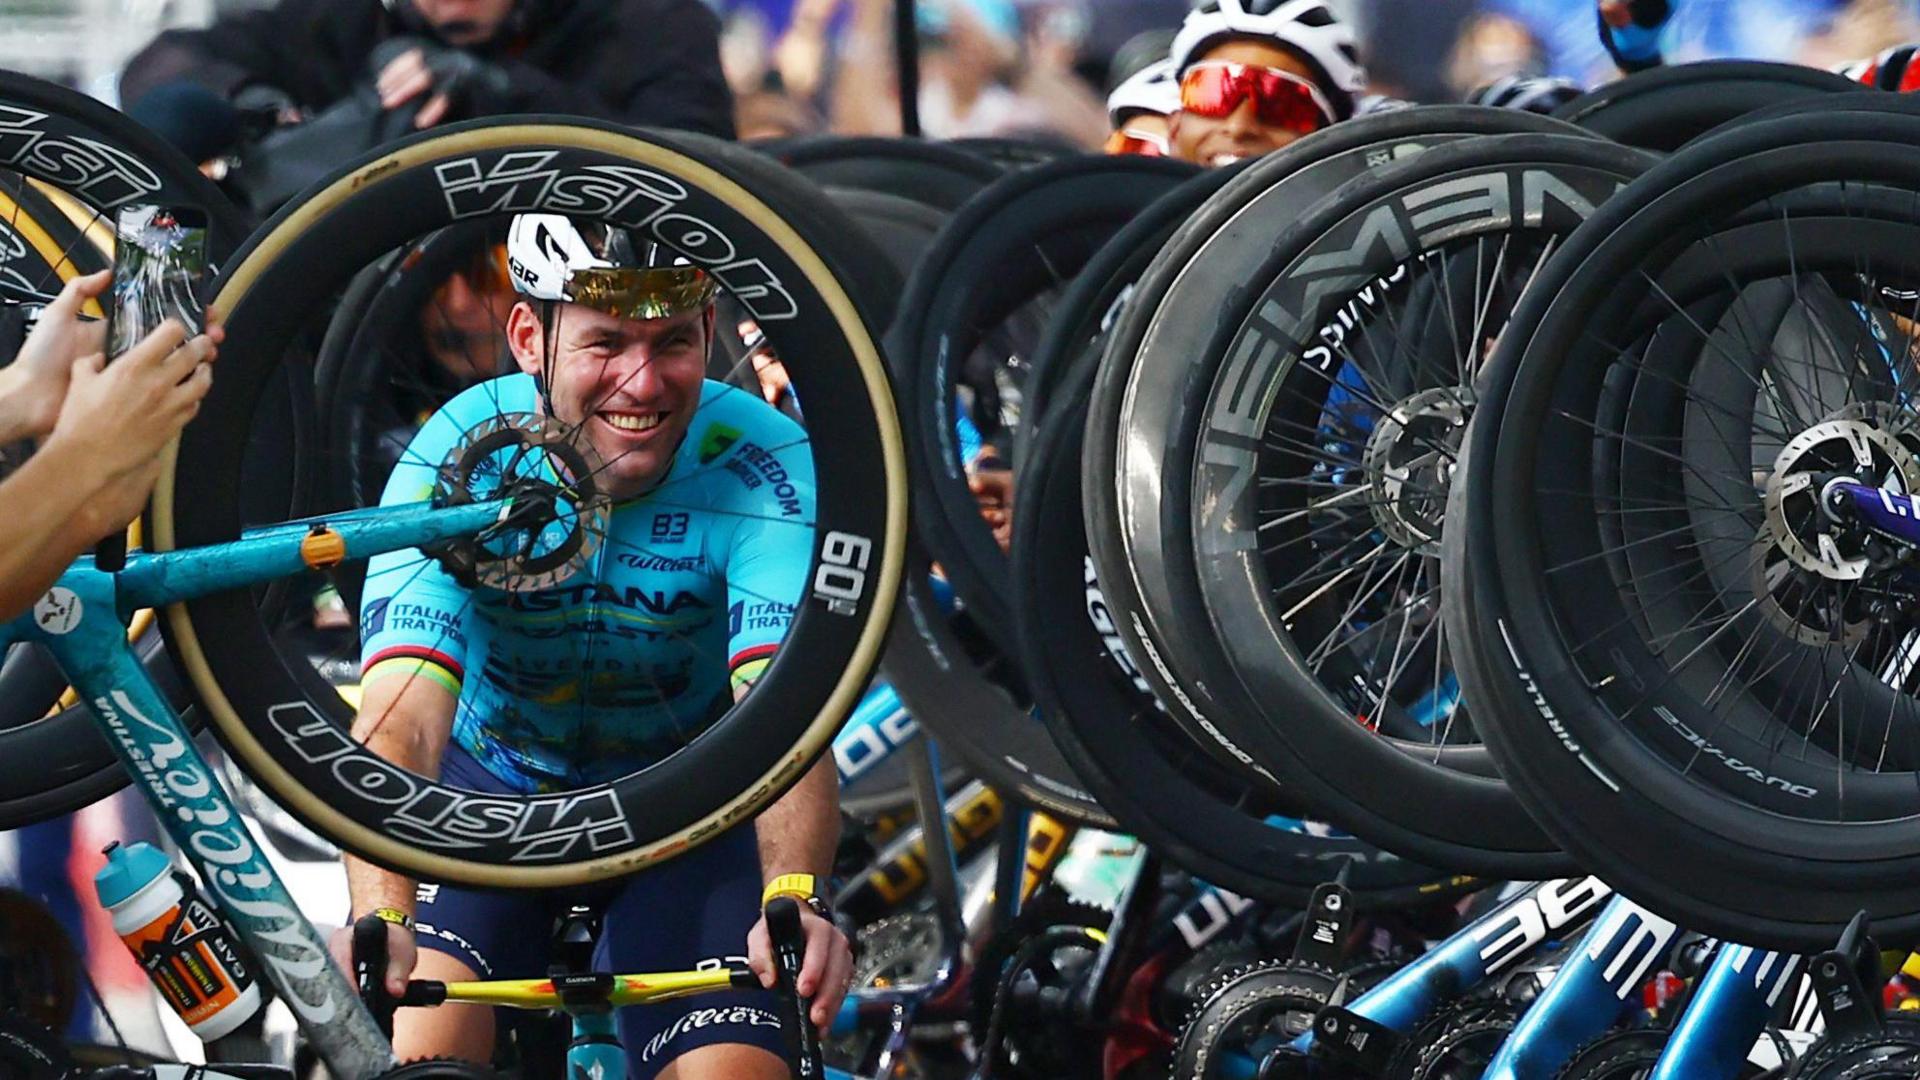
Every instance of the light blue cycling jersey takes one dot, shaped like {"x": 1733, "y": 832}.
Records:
{"x": 624, "y": 662}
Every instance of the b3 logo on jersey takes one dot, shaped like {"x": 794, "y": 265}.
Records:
{"x": 669, "y": 528}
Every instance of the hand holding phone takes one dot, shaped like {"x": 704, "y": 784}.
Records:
{"x": 159, "y": 272}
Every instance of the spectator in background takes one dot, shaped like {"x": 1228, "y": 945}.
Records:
{"x": 1256, "y": 75}
{"x": 1557, "y": 37}
{"x": 653, "y": 62}
{"x": 772, "y": 113}
{"x": 1141, "y": 111}
{"x": 1407, "y": 44}
{"x": 979, "y": 76}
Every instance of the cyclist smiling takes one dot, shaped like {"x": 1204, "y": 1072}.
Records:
{"x": 615, "y": 668}
{"x": 1257, "y": 74}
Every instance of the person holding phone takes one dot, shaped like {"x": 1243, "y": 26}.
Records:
{"x": 100, "y": 428}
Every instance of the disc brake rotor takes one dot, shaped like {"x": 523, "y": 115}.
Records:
{"x": 556, "y": 518}
{"x": 1409, "y": 461}
{"x": 1797, "y": 526}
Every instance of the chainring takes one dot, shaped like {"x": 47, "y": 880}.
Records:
{"x": 1269, "y": 1000}
{"x": 900, "y": 950}
{"x": 39, "y": 979}
{"x": 1049, "y": 947}
{"x": 28, "y": 1051}
{"x": 1456, "y": 1043}
{"x": 440, "y": 1068}
{"x": 1894, "y": 1054}
{"x": 1617, "y": 1055}
{"x": 557, "y": 516}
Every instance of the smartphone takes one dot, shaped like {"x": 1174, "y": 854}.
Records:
{"x": 159, "y": 272}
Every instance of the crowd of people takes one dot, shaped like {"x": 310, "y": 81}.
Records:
{"x": 760, "y": 69}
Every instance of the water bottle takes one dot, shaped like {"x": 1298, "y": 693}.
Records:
{"x": 178, "y": 938}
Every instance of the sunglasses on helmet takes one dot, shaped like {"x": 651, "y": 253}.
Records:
{"x": 643, "y": 294}
{"x": 1281, "y": 99}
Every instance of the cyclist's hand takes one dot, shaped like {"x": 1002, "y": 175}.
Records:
{"x": 402, "y": 954}
{"x": 767, "y": 368}
{"x": 35, "y": 384}
{"x": 407, "y": 77}
{"x": 452, "y": 77}
{"x": 119, "y": 417}
{"x": 993, "y": 489}
{"x": 824, "y": 974}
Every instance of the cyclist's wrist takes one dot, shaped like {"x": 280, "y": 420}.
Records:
{"x": 392, "y": 916}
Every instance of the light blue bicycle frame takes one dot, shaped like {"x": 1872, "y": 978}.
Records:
{"x": 82, "y": 621}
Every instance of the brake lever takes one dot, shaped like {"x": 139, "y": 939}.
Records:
{"x": 789, "y": 951}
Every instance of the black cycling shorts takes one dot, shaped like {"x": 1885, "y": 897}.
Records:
{"x": 691, "y": 912}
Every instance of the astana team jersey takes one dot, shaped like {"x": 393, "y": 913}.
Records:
{"x": 622, "y": 663}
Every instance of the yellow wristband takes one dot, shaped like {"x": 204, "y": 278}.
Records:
{"x": 798, "y": 886}
{"x": 393, "y": 915}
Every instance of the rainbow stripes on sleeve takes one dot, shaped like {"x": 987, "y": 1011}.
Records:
{"x": 415, "y": 661}
{"x": 749, "y": 664}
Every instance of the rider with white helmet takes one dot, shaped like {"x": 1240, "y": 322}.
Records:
{"x": 1140, "y": 109}
{"x": 613, "y": 667}
{"x": 1257, "y": 74}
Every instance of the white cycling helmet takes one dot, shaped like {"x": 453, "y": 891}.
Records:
{"x": 1151, "y": 89}
{"x": 1307, "y": 27}
{"x": 1528, "y": 93}
{"x": 605, "y": 267}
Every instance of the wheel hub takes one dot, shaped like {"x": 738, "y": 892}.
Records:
{"x": 1859, "y": 448}
{"x": 557, "y": 515}
{"x": 1409, "y": 461}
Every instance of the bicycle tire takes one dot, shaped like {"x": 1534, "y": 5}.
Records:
{"x": 1186, "y": 807}
{"x": 1217, "y": 240}
{"x": 349, "y": 365}
{"x": 1611, "y": 790}
{"x": 1400, "y": 794}
{"x": 966, "y": 701}
{"x": 937, "y": 174}
{"x": 103, "y": 159}
{"x": 1019, "y": 151}
{"x": 723, "y": 778}
{"x": 1664, "y": 108}
{"x": 1026, "y": 232}
{"x": 1099, "y": 288}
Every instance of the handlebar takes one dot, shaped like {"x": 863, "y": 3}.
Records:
{"x": 789, "y": 950}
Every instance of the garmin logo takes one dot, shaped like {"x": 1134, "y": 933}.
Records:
{"x": 524, "y": 181}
